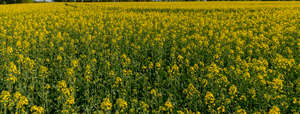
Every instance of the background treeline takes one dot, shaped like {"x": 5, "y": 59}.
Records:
{"x": 29, "y": 1}
{"x": 15, "y": 1}
{"x": 155, "y": 0}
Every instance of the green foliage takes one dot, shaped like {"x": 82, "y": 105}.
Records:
{"x": 3, "y": 2}
{"x": 24, "y": 1}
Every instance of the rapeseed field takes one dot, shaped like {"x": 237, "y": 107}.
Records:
{"x": 159, "y": 57}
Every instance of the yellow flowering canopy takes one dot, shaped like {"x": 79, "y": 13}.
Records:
{"x": 158, "y": 57}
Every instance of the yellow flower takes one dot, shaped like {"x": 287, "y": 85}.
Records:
{"x": 221, "y": 109}
{"x": 204, "y": 82}
{"x": 47, "y": 86}
{"x": 162, "y": 108}
{"x": 62, "y": 84}
{"x": 4, "y": 97}
{"x": 191, "y": 90}
{"x": 70, "y": 72}
{"x": 12, "y": 78}
{"x": 144, "y": 106}
{"x": 294, "y": 100}
{"x": 37, "y": 109}
{"x": 246, "y": 75}
{"x": 66, "y": 91}
{"x": 175, "y": 68}
{"x": 144, "y": 67}
{"x": 274, "y": 110}
{"x": 106, "y": 104}
{"x": 169, "y": 105}
{"x": 252, "y": 92}
{"x": 122, "y": 104}
{"x": 153, "y": 92}
{"x": 111, "y": 73}
{"x": 277, "y": 83}
{"x": 118, "y": 80}
{"x": 59, "y": 58}
{"x": 9, "y": 50}
{"x": 180, "y": 112}
{"x": 131, "y": 110}
{"x": 127, "y": 72}
{"x": 243, "y": 98}
{"x": 88, "y": 78}
{"x": 17, "y": 95}
{"x": 150, "y": 66}
{"x": 209, "y": 98}
{"x": 43, "y": 70}
{"x": 70, "y": 100}
{"x": 179, "y": 57}
{"x": 240, "y": 111}
{"x": 232, "y": 90}
{"x": 75, "y": 63}
{"x": 61, "y": 49}
{"x": 13, "y": 68}
{"x": 157, "y": 65}
{"x": 21, "y": 100}
{"x": 19, "y": 44}
{"x": 65, "y": 111}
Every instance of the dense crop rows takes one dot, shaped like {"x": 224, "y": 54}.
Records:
{"x": 178, "y": 57}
